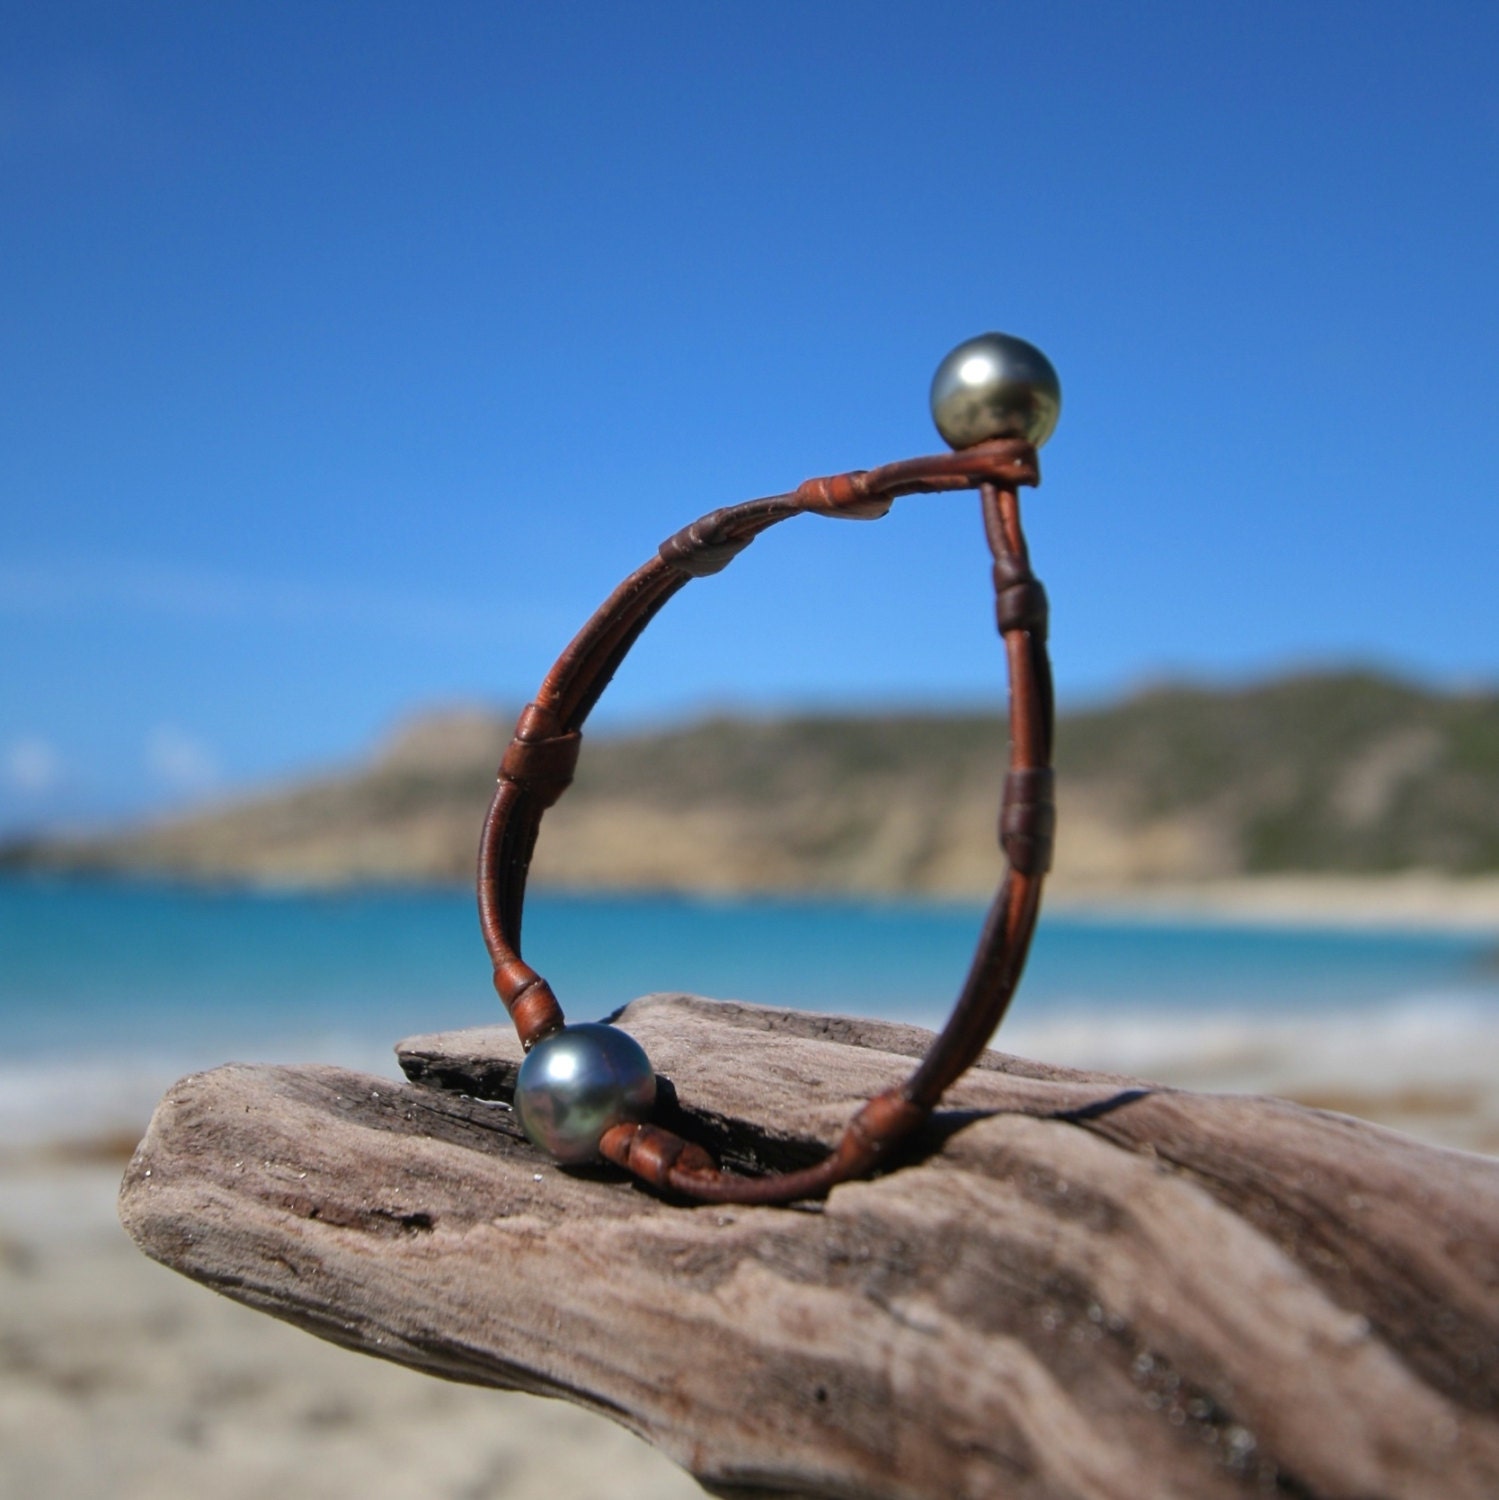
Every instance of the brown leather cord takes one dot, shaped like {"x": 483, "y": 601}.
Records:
{"x": 538, "y": 767}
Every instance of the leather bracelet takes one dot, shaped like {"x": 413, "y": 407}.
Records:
{"x": 586, "y": 1092}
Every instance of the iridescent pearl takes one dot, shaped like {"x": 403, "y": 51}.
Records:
{"x": 578, "y": 1082}
{"x": 995, "y": 386}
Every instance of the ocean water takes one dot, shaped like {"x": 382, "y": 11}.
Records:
{"x": 109, "y": 990}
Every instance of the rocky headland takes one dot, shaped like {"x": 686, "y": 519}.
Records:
{"x": 1303, "y": 785}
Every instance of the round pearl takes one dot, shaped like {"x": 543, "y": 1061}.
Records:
{"x": 578, "y": 1082}
{"x": 995, "y": 386}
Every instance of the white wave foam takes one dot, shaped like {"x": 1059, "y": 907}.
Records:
{"x": 1433, "y": 1040}
{"x": 67, "y": 1100}
{"x": 1425, "y": 1042}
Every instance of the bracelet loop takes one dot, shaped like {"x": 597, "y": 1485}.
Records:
{"x": 585, "y": 1092}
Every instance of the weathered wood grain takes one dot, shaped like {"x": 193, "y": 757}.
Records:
{"x": 1076, "y": 1285}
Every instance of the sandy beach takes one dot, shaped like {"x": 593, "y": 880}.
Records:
{"x": 1420, "y": 901}
{"x": 122, "y": 1381}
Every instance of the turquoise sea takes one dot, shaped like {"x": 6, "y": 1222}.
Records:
{"x": 109, "y": 989}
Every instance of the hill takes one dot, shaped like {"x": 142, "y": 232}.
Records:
{"x": 1331, "y": 773}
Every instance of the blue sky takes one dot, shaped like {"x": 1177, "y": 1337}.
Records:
{"x": 353, "y": 352}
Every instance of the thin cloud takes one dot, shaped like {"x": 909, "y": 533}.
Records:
{"x": 179, "y": 760}
{"x": 31, "y": 766}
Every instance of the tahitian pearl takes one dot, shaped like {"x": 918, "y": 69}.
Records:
{"x": 995, "y": 386}
{"x": 576, "y": 1083}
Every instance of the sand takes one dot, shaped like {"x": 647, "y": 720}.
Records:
{"x": 122, "y": 1381}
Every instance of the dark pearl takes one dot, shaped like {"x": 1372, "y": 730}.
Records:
{"x": 995, "y": 386}
{"x": 576, "y": 1083}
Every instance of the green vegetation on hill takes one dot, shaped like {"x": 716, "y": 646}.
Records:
{"x": 1347, "y": 773}
{"x": 1350, "y": 773}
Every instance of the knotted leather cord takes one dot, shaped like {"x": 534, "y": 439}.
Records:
{"x": 539, "y": 763}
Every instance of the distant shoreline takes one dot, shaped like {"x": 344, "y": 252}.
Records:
{"x": 1419, "y": 901}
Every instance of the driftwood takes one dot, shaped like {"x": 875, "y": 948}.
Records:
{"x": 1074, "y": 1285}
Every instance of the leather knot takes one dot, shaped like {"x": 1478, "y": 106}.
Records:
{"x": 847, "y": 496}
{"x": 653, "y": 1154}
{"x": 703, "y": 547}
{"x": 540, "y": 758}
{"x": 1028, "y": 820}
{"x": 1022, "y": 606}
